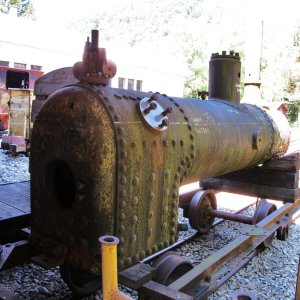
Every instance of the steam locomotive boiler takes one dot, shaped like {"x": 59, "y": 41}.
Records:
{"x": 111, "y": 161}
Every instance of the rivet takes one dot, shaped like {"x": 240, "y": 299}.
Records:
{"x": 100, "y": 92}
{"x": 189, "y": 127}
{"x": 173, "y": 231}
{"x": 151, "y": 196}
{"x": 150, "y": 232}
{"x": 124, "y": 154}
{"x": 123, "y": 180}
{"x": 160, "y": 246}
{"x": 167, "y": 173}
{"x": 165, "y": 142}
{"x": 118, "y": 96}
{"x": 122, "y": 204}
{"x": 173, "y": 223}
{"x": 123, "y": 168}
{"x": 167, "y": 191}
{"x": 174, "y": 205}
{"x": 121, "y": 240}
{"x": 149, "y": 251}
{"x": 134, "y": 219}
{"x": 122, "y": 217}
{"x": 174, "y": 194}
{"x": 166, "y": 209}
{"x": 181, "y": 110}
{"x": 183, "y": 162}
{"x": 117, "y": 118}
{"x": 135, "y": 200}
{"x": 133, "y": 238}
{"x": 125, "y": 97}
{"x": 192, "y": 147}
{"x": 150, "y": 214}
{"x": 120, "y": 264}
{"x": 132, "y": 98}
{"x": 177, "y": 104}
{"x": 136, "y": 257}
{"x": 164, "y": 226}
{"x": 106, "y": 99}
{"x": 121, "y": 251}
{"x": 177, "y": 176}
{"x": 111, "y": 108}
{"x": 181, "y": 143}
{"x": 128, "y": 261}
{"x": 123, "y": 193}
{"x": 179, "y": 168}
{"x": 154, "y": 248}
{"x": 174, "y": 143}
{"x": 143, "y": 254}
{"x": 192, "y": 155}
{"x": 172, "y": 240}
{"x": 122, "y": 142}
{"x": 135, "y": 181}
{"x": 120, "y": 130}
{"x": 167, "y": 244}
{"x": 191, "y": 137}
{"x": 186, "y": 118}
{"x": 153, "y": 176}
{"x": 175, "y": 185}
{"x": 122, "y": 228}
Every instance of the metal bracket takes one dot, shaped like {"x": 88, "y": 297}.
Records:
{"x": 153, "y": 114}
{"x": 252, "y": 230}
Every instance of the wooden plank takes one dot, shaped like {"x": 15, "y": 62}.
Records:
{"x": 16, "y": 195}
{"x": 8, "y": 211}
{"x": 251, "y": 189}
{"x": 287, "y": 163}
{"x": 258, "y": 175}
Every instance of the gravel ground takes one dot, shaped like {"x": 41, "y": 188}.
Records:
{"x": 270, "y": 275}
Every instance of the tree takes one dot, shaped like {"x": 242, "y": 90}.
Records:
{"x": 25, "y": 7}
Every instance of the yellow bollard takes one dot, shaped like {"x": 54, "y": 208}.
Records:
{"x": 109, "y": 268}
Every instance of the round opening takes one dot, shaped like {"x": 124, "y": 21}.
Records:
{"x": 243, "y": 297}
{"x": 64, "y": 184}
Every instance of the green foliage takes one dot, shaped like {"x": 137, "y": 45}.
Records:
{"x": 25, "y": 7}
{"x": 197, "y": 80}
{"x": 293, "y": 110}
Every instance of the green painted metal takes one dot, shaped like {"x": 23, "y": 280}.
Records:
{"x": 123, "y": 175}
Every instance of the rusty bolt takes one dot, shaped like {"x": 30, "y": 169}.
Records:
{"x": 164, "y": 123}
{"x": 152, "y": 106}
{"x": 167, "y": 111}
{"x": 207, "y": 278}
{"x": 152, "y": 98}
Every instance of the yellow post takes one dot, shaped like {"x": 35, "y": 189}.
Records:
{"x": 109, "y": 268}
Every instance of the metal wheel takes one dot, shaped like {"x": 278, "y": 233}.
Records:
{"x": 263, "y": 209}
{"x": 80, "y": 282}
{"x": 198, "y": 218}
{"x": 170, "y": 267}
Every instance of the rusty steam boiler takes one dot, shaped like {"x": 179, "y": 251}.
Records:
{"x": 111, "y": 161}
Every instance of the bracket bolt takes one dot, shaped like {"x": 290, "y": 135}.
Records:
{"x": 164, "y": 123}
{"x": 167, "y": 111}
{"x": 152, "y": 106}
